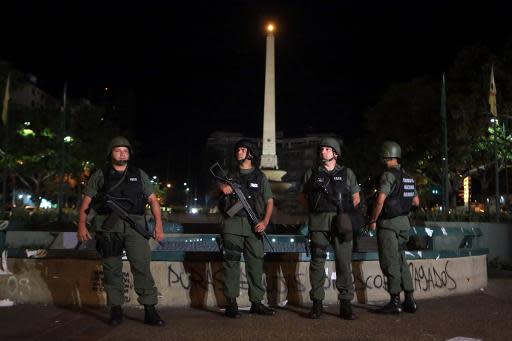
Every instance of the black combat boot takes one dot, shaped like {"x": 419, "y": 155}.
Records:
{"x": 393, "y": 307}
{"x": 316, "y": 310}
{"x": 409, "y": 304}
{"x": 232, "y": 309}
{"x": 346, "y": 310}
{"x": 261, "y": 309}
{"x": 116, "y": 315}
{"x": 151, "y": 317}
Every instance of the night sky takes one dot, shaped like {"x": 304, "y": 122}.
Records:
{"x": 198, "y": 67}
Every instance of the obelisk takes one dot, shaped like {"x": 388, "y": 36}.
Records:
{"x": 269, "y": 157}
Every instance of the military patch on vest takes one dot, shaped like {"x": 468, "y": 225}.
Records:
{"x": 409, "y": 186}
{"x": 254, "y": 185}
{"x": 133, "y": 179}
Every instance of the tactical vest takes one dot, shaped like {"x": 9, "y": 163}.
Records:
{"x": 327, "y": 192}
{"x": 399, "y": 201}
{"x": 252, "y": 187}
{"x": 126, "y": 191}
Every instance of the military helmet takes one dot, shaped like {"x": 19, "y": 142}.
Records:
{"x": 246, "y": 144}
{"x": 330, "y": 142}
{"x": 390, "y": 150}
{"x": 119, "y": 141}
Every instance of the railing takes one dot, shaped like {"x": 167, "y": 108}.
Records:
{"x": 424, "y": 243}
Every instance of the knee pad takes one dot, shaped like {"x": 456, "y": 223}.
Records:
{"x": 318, "y": 252}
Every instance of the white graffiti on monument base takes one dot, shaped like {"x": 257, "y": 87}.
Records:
{"x": 19, "y": 287}
{"x": 98, "y": 279}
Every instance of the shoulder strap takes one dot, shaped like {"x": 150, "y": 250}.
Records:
{"x": 258, "y": 176}
{"x": 398, "y": 173}
{"x": 105, "y": 172}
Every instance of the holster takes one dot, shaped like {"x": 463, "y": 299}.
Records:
{"x": 109, "y": 244}
{"x": 342, "y": 226}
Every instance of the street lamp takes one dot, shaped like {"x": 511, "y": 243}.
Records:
{"x": 270, "y": 27}
{"x": 507, "y": 117}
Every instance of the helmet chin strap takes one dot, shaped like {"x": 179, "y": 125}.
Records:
{"x": 120, "y": 162}
{"x": 334, "y": 157}
{"x": 247, "y": 157}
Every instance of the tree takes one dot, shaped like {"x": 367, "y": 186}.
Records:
{"x": 34, "y": 152}
{"x": 31, "y": 150}
{"x": 409, "y": 114}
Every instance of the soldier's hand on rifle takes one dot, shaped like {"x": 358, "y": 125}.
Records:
{"x": 261, "y": 226}
{"x": 82, "y": 233}
{"x": 372, "y": 226}
{"x": 225, "y": 188}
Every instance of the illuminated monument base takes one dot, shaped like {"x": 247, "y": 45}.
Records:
{"x": 275, "y": 178}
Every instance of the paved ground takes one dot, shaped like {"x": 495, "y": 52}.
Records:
{"x": 486, "y": 315}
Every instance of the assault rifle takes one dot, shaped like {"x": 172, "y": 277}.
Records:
{"x": 119, "y": 212}
{"x": 242, "y": 203}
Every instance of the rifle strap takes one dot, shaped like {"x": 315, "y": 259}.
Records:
{"x": 117, "y": 184}
{"x": 235, "y": 208}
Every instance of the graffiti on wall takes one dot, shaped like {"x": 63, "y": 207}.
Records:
{"x": 425, "y": 278}
{"x": 98, "y": 279}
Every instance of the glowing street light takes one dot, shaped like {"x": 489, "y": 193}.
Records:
{"x": 270, "y": 28}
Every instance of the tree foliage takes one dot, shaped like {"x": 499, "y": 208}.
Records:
{"x": 40, "y": 142}
{"x": 409, "y": 113}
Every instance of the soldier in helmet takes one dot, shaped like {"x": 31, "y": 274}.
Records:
{"x": 395, "y": 198}
{"x": 330, "y": 191}
{"x": 132, "y": 187}
{"x": 239, "y": 236}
